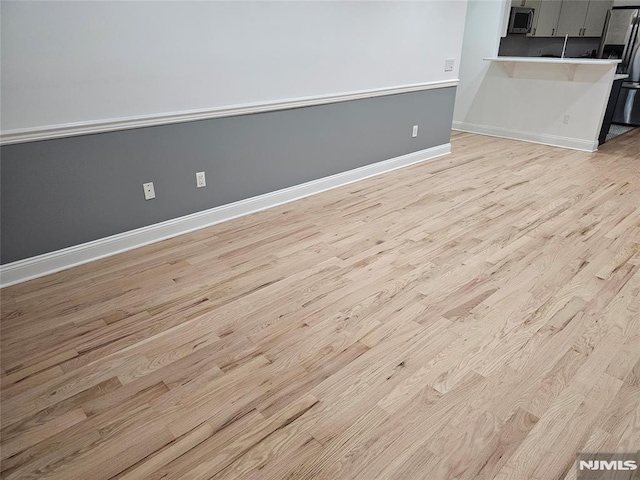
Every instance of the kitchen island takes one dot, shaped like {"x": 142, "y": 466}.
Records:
{"x": 555, "y": 101}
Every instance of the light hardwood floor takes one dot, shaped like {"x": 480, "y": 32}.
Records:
{"x": 472, "y": 317}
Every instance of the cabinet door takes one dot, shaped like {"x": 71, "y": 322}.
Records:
{"x": 546, "y": 19}
{"x": 572, "y": 17}
{"x": 596, "y": 16}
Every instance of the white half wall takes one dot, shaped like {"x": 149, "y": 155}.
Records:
{"x": 72, "y": 61}
{"x": 530, "y": 102}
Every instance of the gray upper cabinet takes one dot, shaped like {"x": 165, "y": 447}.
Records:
{"x": 576, "y": 18}
{"x": 545, "y": 21}
{"x": 572, "y": 15}
{"x": 526, "y": 3}
{"x": 596, "y": 16}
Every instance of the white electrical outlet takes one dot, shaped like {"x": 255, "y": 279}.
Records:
{"x": 566, "y": 119}
{"x": 414, "y": 133}
{"x": 201, "y": 181}
{"x": 448, "y": 64}
{"x": 149, "y": 191}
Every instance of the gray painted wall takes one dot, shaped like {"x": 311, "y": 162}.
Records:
{"x": 59, "y": 193}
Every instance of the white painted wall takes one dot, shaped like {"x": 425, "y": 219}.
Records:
{"x": 486, "y": 22}
{"x": 626, "y": 3}
{"x": 530, "y": 105}
{"x": 68, "y": 61}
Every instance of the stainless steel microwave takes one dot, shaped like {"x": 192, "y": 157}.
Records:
{"x": 521, "y": 19}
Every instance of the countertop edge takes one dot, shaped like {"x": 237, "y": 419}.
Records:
{"x": 553, "y": 60}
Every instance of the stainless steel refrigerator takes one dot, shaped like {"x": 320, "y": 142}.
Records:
{"x": 621, "y": 39}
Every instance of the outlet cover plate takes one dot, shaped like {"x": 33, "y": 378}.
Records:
{"x": 201, "y": 180}
{"x": 448, "y": 64}
{"x": 149, "y": 191}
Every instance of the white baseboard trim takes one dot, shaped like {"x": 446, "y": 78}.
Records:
{"x": 48, "y": 132}
{"x": 38, "y": 266}
{"x": 542, "y": 138}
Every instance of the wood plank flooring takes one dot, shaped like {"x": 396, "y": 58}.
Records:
{"x": 473, "y": 317}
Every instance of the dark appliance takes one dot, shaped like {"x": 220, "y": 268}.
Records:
{"x": 621, "y": 39}
{"x": 521, "y": 19}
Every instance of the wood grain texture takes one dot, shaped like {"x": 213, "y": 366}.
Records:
{"x": 473, "y": 317}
